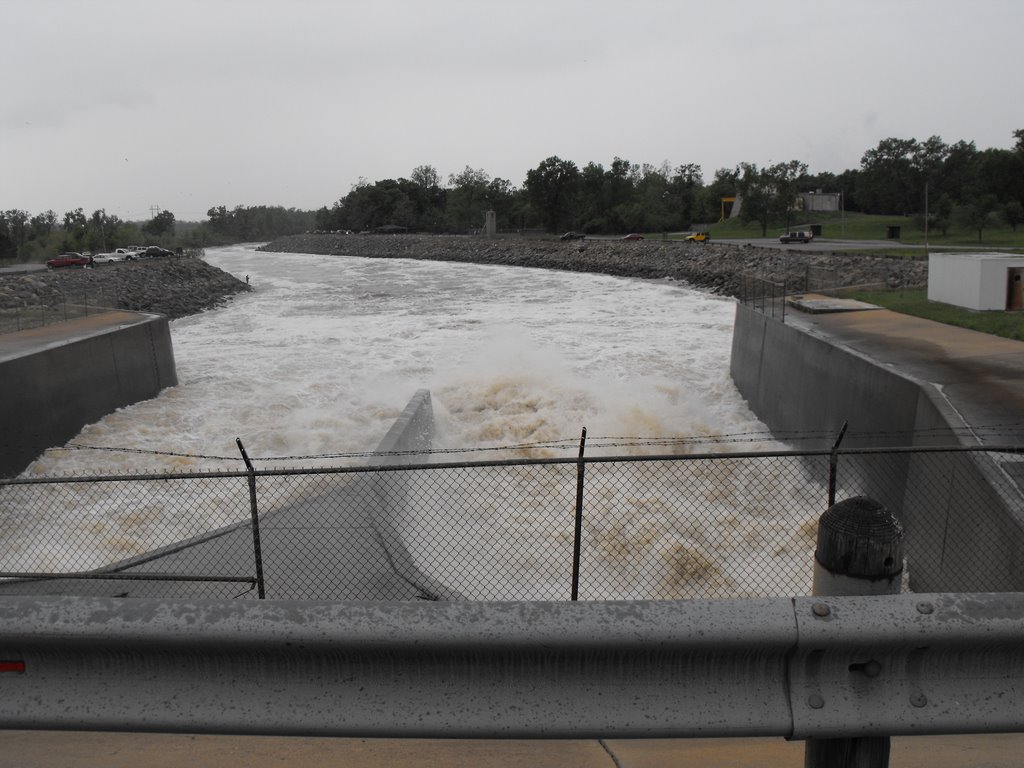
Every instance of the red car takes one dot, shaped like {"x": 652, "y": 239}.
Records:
{"x": 633, "y": 236}
{"x": 69, "y": 260}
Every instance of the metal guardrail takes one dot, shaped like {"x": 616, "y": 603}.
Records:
{"x": 815, "y": 667}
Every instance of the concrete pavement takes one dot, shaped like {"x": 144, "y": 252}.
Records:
{"x": 48, "y": 749}
{"x": 980, "y": 375}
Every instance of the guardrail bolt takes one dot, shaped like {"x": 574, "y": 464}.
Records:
{"x": 821, "y": 610}
{"x": 925, "y": 608}
{"x": 918, "y": 700}
{"x": 814, "y": 701}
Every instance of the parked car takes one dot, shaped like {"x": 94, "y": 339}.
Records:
{"x": 633, "y": 236}
{"x": 572, "y": 236}
{"x": 796, "y": 237}
{"x": 153, "y": 252}
{"x": 107, "y": 258}
{"x": 69, "y": 260}
{"x": 698, "y": 237}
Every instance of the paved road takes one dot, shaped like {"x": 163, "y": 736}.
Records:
{"x": 824, "y": 244}
{"x": 23, "y": 268}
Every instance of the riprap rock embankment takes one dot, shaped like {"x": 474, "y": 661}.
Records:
{"x": 171, "y": 286}
{"x": 715, "y": 266}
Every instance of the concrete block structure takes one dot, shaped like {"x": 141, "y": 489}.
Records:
{"x": 980, "y": 281}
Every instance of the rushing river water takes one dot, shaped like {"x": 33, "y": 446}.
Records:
{"x": 326, "y": 351}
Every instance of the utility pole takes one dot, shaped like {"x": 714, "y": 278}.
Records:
{"x": 153, "y": 211}
{"x": 926, "y": 219}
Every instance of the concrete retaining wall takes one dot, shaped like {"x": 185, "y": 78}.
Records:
{"x": 412, "y": 432}
{"x": 797, "y": 383}
{"x": 52, "y": 390}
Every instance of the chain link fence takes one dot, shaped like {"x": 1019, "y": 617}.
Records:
{"x": 620, "y": 528}
{"x": 57, "y": 306}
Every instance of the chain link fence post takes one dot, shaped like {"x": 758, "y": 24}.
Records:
{"x": 254, "y": 511}
{"x": 578, "y": 536}
{"x": 833, "y": 464}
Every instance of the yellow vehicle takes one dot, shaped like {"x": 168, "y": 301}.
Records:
{"x": 698, "y": 237}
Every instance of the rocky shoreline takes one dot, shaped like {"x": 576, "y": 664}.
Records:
{"x": 719, "y": 267}
{"x": 172, "y": 286}
{"x": 180, "y": 286}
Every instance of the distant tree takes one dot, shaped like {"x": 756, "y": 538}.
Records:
{"x": 942, "y": 213}
{"x": 977, "y": 214}
{"x": 687, "y": 179}
{"x": 928, "y": 158}
{"x": 504, "y": 199}
{"x": 709, "y": 198}
{"x": 551, "y": 188}
{"x": 889, "y": 181}
{"x": 998, "y": 172}
{"x": 426, "y": 176}
{"x": 1013, "y": 213}
{"x": 220, "y": 220}
{"x": 43, "y": 224}
{"x": 17, "y": 227}
{"x": 769, "y": 193}
{"x": 956, "y": 178}
{"x": 160, "y": 225}
{"x": 467, "y": 199}
{"x": 102, "y": 230}
{"x": 75, "y": 222}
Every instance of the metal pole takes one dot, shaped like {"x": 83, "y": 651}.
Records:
{"x": 859, "y": 552}
{"x": 833, "y": 464}
{"x": 578, "y": 536}
{"x": 254, "y": 511}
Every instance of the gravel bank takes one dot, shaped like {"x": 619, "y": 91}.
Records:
{"x": 715, "y": 266}
{"x": 169, "y": 286}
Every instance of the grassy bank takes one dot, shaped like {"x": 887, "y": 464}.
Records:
{"x": 1009, "y": 325}
{"x": 860, "y": 226}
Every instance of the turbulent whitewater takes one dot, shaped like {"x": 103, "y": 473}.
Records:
{"x": 313, "y": 366}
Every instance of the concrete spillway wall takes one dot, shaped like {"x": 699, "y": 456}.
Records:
{"x": 965, "y": 529}
{"x": 54, "y": 386}
{"x": 409, "y": 437}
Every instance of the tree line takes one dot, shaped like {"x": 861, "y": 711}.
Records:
{"x": 34, "y": 238}
{"x": 957, "y": 183}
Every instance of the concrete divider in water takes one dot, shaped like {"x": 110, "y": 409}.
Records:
{"x": 410, "y": 435}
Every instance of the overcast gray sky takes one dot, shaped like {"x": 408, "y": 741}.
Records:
{"x": 188, "y": 104}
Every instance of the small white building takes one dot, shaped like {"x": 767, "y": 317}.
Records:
{"x": 820, "y": 201}
{"x": 977, "y": 280}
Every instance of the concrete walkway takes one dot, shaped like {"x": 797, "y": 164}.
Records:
{"x": 980, "y": 375}
{"x": 42, "y": 749}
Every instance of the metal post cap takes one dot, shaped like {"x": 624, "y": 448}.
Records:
{"x": 860, "y": 537}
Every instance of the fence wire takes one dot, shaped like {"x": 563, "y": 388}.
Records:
{"x": 711, "y": 526}
{"x": 57, "y": 305}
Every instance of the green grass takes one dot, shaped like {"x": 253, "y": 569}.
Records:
{"x": 860, "y": 226}
{"x": 1009, "y": 325}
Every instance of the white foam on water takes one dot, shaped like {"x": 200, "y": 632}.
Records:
{"x": 326, "y": 351}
